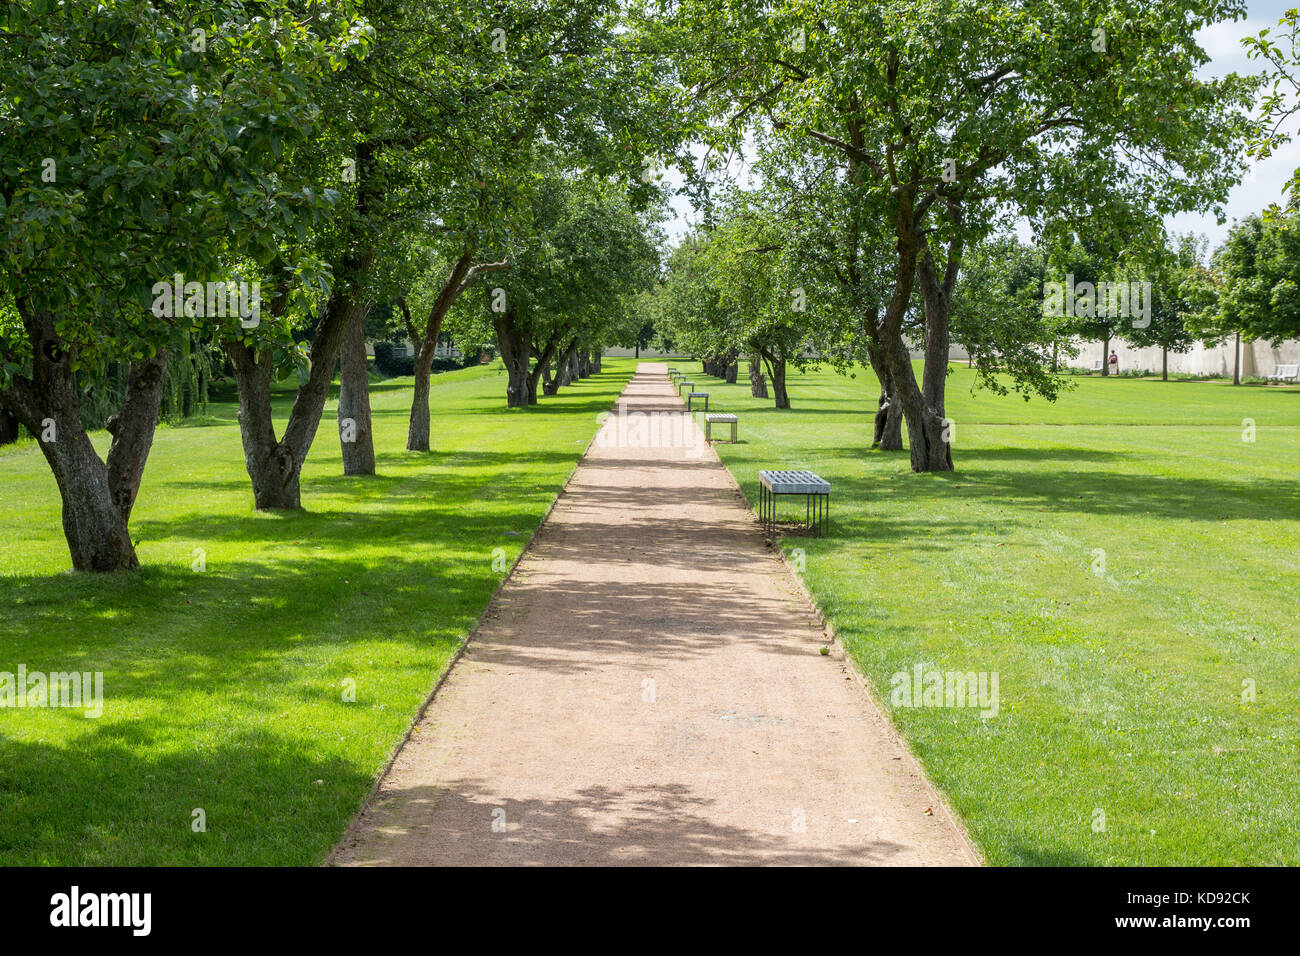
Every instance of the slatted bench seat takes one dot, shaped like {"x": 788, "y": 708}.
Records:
{"x": 816, "y": 492}
{"x": 1284, "y": 373}
{"x": 693, "y": 396}
{"x": 683, "y": 386}
{"x": 720, "y": 418}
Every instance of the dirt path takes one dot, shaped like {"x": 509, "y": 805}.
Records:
{"x": 647, "y": 688}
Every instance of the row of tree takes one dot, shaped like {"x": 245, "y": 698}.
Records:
{"x": 892, "y": 139}
{"x": 327, "y": 156}
{"x": 733, "y": 289}
{"x": 489, "y": 163}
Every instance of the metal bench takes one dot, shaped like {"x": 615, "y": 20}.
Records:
{"x": 817, "y": 499}
{"x": 1283, "y": 373}
{"x": 694, "y": 395}
{"x": 683, "y": 384}
{"x": 720, "y": 418}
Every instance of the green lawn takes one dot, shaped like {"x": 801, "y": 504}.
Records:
{"x": 224, "y": 689}
{"x": 1120, "y": 691}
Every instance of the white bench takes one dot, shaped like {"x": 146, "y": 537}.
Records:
{"x": 1283, "y": 373}
{"x": 720, "y": 418}
{"x": 816, "y": 491}
{"x": 1096, "y": 366}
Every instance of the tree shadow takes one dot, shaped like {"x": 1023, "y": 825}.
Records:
{"x": 668, "y": 825}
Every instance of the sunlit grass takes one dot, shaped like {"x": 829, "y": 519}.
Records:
{"x": 1121, "y": 684}
{"x": 224, "y": 689}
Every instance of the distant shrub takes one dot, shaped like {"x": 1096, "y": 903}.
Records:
{"x": 393, "y": 365}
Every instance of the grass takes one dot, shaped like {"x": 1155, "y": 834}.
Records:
{"x": 1123, "y": 685}
{"x": 224, "y": 690}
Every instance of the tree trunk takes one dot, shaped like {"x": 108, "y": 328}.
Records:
{"x": 731, "y": 371}
{"x": 927, "y": 429}
{"x": 925, "y": 425}
{"x": 1236, "y": 360}
{"x": 9, "y": 426}
{"x": 888, "y": 432}
{"x": 584, "y": 364}
{"x": 757, "y": 383}
{"x": 426, "y": 343}
{"x": 354, "y": 397}
{"x": 97, "y": 533}
{"x": 274, "y": 466}
{"x": 776, "y": 369}
{"x": 596, "y": 357}
{"x": 97, "y": 496}
{"x": 535, "y": 373}
{"x": 269, "y": 462}
{"x": 513, "y": 345}
{"x": 563, "y": 370}
{"x": 1164, "y": 364}
{"x": 417, "y": 431}
{"x": 1105, "y": 356}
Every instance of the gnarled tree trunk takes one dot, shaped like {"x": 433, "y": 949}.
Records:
{"x": 776, "y": 371}
{"x": 757, "y": 382}
{"x": 355, "y": 436}
{"x": 513, "y": 344}
{"x": 563, "y": 370}
{"x": 275, "y": 465}
{"x": 888, "y": 432}
{"x": 928, "y": 431}
{"x": 535, "y": 373}
{"x": 97, "y": 496}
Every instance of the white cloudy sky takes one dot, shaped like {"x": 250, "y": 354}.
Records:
{"x": 1263, "y": 185}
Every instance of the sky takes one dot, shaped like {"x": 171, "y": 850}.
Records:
{"x": 1261, "y": 186}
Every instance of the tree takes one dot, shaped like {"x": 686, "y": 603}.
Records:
{"x": 949, "y": 114}
{"x": 141, "y": 145}
{"x": 1075, "y": 296}
{"x": 1260, "y": 268}
{"x": 578, "y": 251}
{"x": 437, "y": 299}
{"x": 1177, "y": 294}
{"x": 998, "y": 316}
{"x": 458, "y": 102}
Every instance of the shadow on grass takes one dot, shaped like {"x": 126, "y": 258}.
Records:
{"x": 1050, "y": 488}
{"x": 104, "y": 799}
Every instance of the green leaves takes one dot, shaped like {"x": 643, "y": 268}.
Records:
{"x": 165, "y": 159}
{"x": 1259, "y": 267}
